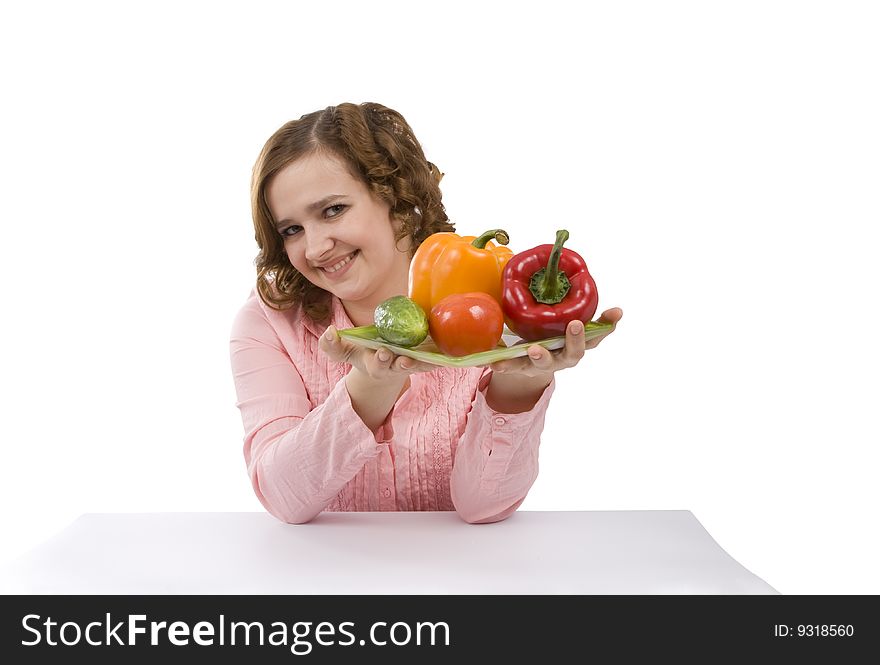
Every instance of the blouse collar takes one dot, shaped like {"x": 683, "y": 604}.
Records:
{"x": 338, "y": 317}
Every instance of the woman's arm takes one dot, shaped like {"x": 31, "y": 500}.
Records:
{"x": 298, "y": 458}
{"x": 377, "y": 377}
{"x": 496, "y": 460}
{"x": 373, "y": 400}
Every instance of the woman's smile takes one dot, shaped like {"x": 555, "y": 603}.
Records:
{"x": 337, "y": 270}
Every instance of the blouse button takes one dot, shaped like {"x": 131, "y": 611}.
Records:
{"x": 500, "y": 421}
{"x": 386, "y": 492}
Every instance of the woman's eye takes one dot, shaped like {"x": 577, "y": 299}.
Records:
{"x": 334, "y": 211}
{"x": 290, "y": 231}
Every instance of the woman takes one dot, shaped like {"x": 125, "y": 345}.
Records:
{"x": 341, "y": 200}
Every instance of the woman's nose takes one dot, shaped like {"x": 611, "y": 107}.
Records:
{"x": 318, "y": 246}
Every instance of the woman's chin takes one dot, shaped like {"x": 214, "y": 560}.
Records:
{"x": 345, "y": 292}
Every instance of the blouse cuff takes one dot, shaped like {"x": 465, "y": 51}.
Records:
{"x": 510, "y": 422}
{"x": 371, "y": 445}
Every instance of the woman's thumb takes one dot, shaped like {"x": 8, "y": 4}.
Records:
{"x": 330, "y": 341}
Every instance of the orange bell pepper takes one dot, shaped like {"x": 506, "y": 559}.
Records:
{"x": 446, "y": 263}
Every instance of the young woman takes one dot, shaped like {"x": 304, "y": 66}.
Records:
{"x": 341, "y": 200}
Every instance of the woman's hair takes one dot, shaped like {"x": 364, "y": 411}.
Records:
{"x": 380, "y": 149}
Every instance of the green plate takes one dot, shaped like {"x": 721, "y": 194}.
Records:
{"x": 511, "y": 346}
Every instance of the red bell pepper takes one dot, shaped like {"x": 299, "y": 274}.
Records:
{"x": 545, "y": 288}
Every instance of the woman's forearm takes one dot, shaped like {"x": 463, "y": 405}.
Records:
{"x": 372, "y": 400}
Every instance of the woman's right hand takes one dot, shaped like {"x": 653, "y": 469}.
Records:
{"x": 379, "y": 365}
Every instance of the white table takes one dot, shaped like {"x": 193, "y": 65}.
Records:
{"x": 613, "y": 552}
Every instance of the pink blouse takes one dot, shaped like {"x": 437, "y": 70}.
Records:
{"x": 440, "y": 448}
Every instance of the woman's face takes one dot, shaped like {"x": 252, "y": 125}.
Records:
{"x": 336, "y": 233}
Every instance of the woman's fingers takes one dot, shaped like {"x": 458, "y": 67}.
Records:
{"x": 411, "y": 365}
{"x": 574, "y": 344}
{"x": 377, "y": 363}
{"x": 388, "y": 362}
{"x": 502, "y": 366}
{"x": 612, "y": 316}
{"x": 542, "y": 359}
{"x": 383, "y": 359}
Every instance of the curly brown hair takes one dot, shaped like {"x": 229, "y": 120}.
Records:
{"x": 380, "y": 149}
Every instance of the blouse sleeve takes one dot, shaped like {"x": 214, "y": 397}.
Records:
{"x": 298, "y": 457}
{"x": 496, "y": 461}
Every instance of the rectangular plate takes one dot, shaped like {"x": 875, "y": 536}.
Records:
{"x": 511, "y": 346}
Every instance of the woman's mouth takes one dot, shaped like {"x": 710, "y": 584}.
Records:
{"x": 340, "y": 267}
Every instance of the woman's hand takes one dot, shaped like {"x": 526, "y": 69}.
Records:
{"x": 379, "y": 365}
{"x": 517, "y": 384}
{"x": 543, "y": 363}
{"x": 378, "y": 377}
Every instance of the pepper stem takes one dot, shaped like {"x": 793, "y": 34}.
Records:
{"x": 498, "y": 235}
{"x": 549, "y": 285}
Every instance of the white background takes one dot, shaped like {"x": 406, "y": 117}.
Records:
{"x": 717, "y": 164}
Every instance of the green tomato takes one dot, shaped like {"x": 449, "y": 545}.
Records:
{"x": 401, "y": 321}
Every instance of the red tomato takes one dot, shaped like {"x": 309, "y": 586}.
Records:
{"x": 465, "y": 323}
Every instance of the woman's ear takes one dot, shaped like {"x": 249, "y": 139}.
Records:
{"x": 404, "y": 244}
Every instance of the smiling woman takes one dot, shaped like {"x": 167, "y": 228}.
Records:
{"x": 341, "y": 200}
{"x": 344, "y": 243}
{"x": 372, "y": 150}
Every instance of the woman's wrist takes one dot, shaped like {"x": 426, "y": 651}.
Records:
{"x": 385, "y": 384}
{"x": 372, "y": 399}
{"x": 515, "y": 393}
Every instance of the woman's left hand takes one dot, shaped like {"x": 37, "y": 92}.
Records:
{"x": 543, "y": 363}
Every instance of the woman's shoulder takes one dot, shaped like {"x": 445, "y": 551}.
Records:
{"x": 291, "y": 325}
{"x": 255, "y": 318}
